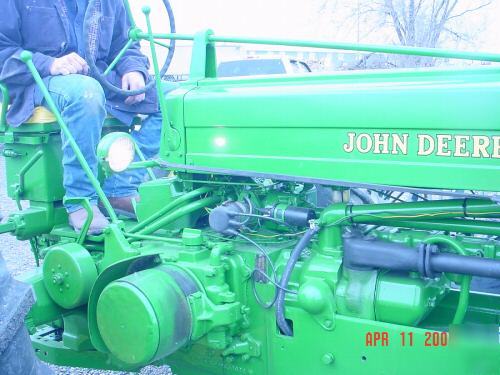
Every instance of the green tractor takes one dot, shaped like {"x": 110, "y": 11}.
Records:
{"x": 232, "y": 265}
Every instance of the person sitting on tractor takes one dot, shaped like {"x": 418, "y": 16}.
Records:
{"x": 54, "y": 31}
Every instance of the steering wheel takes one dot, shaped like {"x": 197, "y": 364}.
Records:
{"x": 92, "y": 19}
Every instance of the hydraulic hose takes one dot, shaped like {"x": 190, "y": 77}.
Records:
{"x": 185, "y": 210}
{"x": 285, "y": 278}
{"x": 371, "y": 254}
{"x": 169, "y": 207}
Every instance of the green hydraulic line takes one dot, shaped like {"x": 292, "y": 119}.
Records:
{"x": 433, "y": 210}
{"x": 185, "y": 198}
{"x": 141, "y": 237}
{"x": 143, "y": 160}
{"x": 490, "y": 228}
{"x": 185, "y": 210}
{"x": 27, "y": 58}
{"x": 144, "y": 164}
{"x": 8, "y": 227}
{"x": 118, "y": 57}
{"x": 5, "y": 106}
{"x": 463, "y": 298}
{"x": 398, "y": 50}
{"x": 341, "y": 214}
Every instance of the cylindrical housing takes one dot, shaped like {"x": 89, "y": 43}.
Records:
{"x": 149, "y": 309}
{"x": 365, "y": 255}
{"x": 297, "y": 216}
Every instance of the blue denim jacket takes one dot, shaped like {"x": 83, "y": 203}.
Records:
{"x": 43, "y": 27}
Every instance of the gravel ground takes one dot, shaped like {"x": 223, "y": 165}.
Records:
{"x": 19, "y": 259}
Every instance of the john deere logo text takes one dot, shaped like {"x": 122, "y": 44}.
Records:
{"x": 460, "y": 146}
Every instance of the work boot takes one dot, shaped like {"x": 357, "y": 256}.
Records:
{"x": 123, "y": 205}
{"x": 99, "y": 222}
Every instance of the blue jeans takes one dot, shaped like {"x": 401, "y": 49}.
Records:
{"x": 81, "y": 101}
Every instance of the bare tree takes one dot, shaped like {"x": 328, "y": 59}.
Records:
{"x": 417, "y": 23}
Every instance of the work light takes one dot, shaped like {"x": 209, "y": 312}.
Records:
{"x": 116, "y": 151}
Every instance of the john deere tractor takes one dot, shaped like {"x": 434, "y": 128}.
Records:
{"x": 233, "y": 265}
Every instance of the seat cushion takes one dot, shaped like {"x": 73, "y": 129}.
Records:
{"x": 41, "y": 115}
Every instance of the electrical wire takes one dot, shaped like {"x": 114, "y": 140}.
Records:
{"x": 273, "y": 280}
{"x": 262, "y": 217}
{"x": 276, "y": 235}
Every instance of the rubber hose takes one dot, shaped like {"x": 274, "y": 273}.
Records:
{"x": 285, "y": 278}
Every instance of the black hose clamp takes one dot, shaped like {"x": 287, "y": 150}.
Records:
{"x": 425, "y": 252}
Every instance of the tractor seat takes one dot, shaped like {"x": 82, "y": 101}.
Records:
{"x": 41, "y": 115}
{"x": 43, "y": 120}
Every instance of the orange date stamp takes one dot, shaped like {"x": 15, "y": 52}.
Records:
{"x": 432, "y": 339}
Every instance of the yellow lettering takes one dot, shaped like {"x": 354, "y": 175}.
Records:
{"x": 461, "y": 146}
{"x": 400, "y": 142}
{"x": 364, "y": 149}
{"x": 442, "y": 145}
{"x": 349, "y": 146}
{"x": 426, "y": 145}
{"x": 380, "y": 143}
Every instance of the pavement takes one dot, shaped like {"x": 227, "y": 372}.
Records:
{"x": 19, "y": 259}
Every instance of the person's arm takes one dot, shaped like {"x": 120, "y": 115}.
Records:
{"x": 133, "y": 60}
{"x": 12, "y": 70}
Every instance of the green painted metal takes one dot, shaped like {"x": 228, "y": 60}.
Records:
{"x": 5, "y": 106}
{"x": 340, "y": 110}
{"x": 166, "y": 288}
{"x": 463, "y": 301}
{"x": 69, "y": 273}
{"x": 399, "y": 50}
{"x": 162, "y": 316}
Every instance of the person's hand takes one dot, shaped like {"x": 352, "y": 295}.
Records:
{"x": 134, "y": 81}
{"x": 69, "y": 64}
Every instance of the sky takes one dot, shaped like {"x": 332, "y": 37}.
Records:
{"x": 295, "y": 19}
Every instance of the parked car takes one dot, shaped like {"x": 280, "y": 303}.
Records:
{"x": 261, "y": 66}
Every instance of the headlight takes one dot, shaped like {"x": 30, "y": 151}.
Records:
{"x": 116, "y": 151}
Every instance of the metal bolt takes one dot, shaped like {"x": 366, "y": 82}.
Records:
{"x": 58, "y": 278}
{"x": 245, "y": 309}
{"x": 328, "y": 358}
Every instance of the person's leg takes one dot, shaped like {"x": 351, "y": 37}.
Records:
{"x": 81, "y": 101}
{"x": 125, "y": 184}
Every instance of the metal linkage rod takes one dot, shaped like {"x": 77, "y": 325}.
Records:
{"x": 5, "y": 106}
{"x": 396, "y": 50}
{"x": 158, "y": 78}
